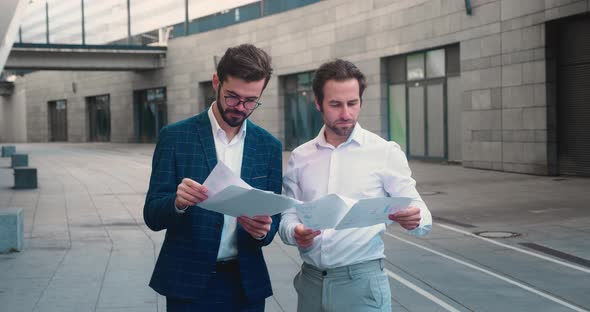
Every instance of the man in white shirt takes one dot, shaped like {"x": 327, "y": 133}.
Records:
{"x": 343, "y": 269}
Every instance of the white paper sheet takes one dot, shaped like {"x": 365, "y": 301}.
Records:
{"x": 333, "y": 211}
{"x": 221, "y": 177}
{"x": 230, "y": 195}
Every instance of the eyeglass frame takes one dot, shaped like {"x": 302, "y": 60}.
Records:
{"x": 226, "y": 97}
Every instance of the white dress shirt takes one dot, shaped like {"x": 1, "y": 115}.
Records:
{"x": 365, "y": 166}
{"x": 230, "y": 153}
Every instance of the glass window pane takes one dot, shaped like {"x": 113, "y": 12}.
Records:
{"x": 416, "y": 66}
{"x": 453, "y": 60}
{"x": 416, "y": 121}
{"x": 435, "y": 121}
{"x": 435, "y": 63}
{"x": 396, "y": 69}
{"x": 302, "y": 120}
{"x": 208, "y": 95}
{"x": 397, "y": 114}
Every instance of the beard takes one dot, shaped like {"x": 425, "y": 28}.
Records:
{"x": 235, "y": 120}
{"x": 341, "y": 130}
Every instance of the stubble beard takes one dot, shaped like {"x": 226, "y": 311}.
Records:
{"x": 341, "y": 131}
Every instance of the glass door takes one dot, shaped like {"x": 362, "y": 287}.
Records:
{"x": 435, "y": 119}
{"x": 58, "y": 121}
{"x": 416, "y": 120}
{"x": 99, "y": 118}
{"x": 150, "y": 114}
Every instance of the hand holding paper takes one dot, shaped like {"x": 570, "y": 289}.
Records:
{"x": 338, "y": 212}
{"x": 304, "y": 236}
{"x": 409, "y": 218}
{"x": 189, "y": 193}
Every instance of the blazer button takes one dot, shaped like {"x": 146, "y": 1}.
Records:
{"x": 218, "y": 226}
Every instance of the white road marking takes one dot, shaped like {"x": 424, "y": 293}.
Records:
{"x": 421, "y": 291}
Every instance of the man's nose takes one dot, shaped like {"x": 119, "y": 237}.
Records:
{"x": 345, "y": 113}
{"x": 241, "y": 106}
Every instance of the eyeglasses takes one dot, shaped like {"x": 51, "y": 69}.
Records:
{"x": 233, "y": 101}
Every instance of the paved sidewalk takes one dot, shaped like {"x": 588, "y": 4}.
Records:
{"x": 87, "y": 248}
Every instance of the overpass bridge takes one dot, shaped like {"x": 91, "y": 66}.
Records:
{"x": 70, "y": 57}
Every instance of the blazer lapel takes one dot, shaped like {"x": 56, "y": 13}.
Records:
{"x": 206, "y": 137}
{"x": 248, "y": 156}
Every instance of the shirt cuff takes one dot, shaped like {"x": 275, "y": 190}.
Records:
{"x": 178, "y": 210}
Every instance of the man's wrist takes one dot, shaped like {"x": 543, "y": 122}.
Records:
{"x": 179, "y": 209}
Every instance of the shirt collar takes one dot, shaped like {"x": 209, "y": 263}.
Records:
{"x": 355, "y": 136}
{"x": 217, "y": 129}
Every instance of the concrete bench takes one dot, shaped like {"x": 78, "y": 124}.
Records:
{"x": 8, "y": 150}
{"x": 25, "y": 178}
{"x": 20, "y": 160}
{"x": 11, "y": 229}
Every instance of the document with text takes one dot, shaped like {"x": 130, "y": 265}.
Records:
{"x": 229, "y": 194}
{"x": 337, "y": 212}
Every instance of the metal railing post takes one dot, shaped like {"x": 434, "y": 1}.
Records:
{"x": 186, "y": 17}
{"x": 129, "y": 22}
{"x": 83, "y": 25}
{"x": 47, "y": 22}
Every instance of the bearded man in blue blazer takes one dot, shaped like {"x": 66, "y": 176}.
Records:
{"x": 210, "y": 261}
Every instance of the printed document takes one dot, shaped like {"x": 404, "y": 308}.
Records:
{"x": 229, "y": 194}
{"x": 337, "y": 212}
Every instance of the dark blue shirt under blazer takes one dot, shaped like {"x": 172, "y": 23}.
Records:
{"x": 186, "y": 149}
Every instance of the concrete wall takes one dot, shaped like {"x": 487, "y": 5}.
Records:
{"x": 502, "y": 122}
{"x": 74, "y": 87}
{"x": 505, "y": 107}
{"x": 13, "y": 117}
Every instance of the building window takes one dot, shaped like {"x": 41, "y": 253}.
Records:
{"x": 417, "y": 87}
{"x": 302, "y": 119}
{"x": 207, "y": 95}
{"x": 150, "y": 114}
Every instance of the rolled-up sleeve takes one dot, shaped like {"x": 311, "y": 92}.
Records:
{"x": 398, "y": 182}
{"x": 289, "y": 217}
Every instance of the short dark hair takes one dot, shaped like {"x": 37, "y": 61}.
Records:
{"x": 246, "y": 62}
{"x": 338, "y": 70}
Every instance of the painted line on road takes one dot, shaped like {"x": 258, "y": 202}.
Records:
{"x": 496, "y": 275}
{"x": 530, "y": 253}
{"x": 421, "y": 291}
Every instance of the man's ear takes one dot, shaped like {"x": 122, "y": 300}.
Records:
{"x": 318, "y": 106}
{"x": 215, "y": 81}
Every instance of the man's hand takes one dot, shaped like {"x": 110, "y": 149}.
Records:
{"x": 304, "y": 236}
{"x": 189, "y": 193}
{"x": 256, "y": 226}
{"x": 409, "y": 218}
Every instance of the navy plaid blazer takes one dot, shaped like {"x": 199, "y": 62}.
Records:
{"x": 186, "y": 149}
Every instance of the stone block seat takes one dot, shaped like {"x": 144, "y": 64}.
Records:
{"x": 19, "y": 160}
{"x": 25, "y": 178}
{"x": 8, "y": 150}
{"x": 11, "y": 229}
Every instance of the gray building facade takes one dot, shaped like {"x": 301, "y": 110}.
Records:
{"x": 484, "y": 88}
